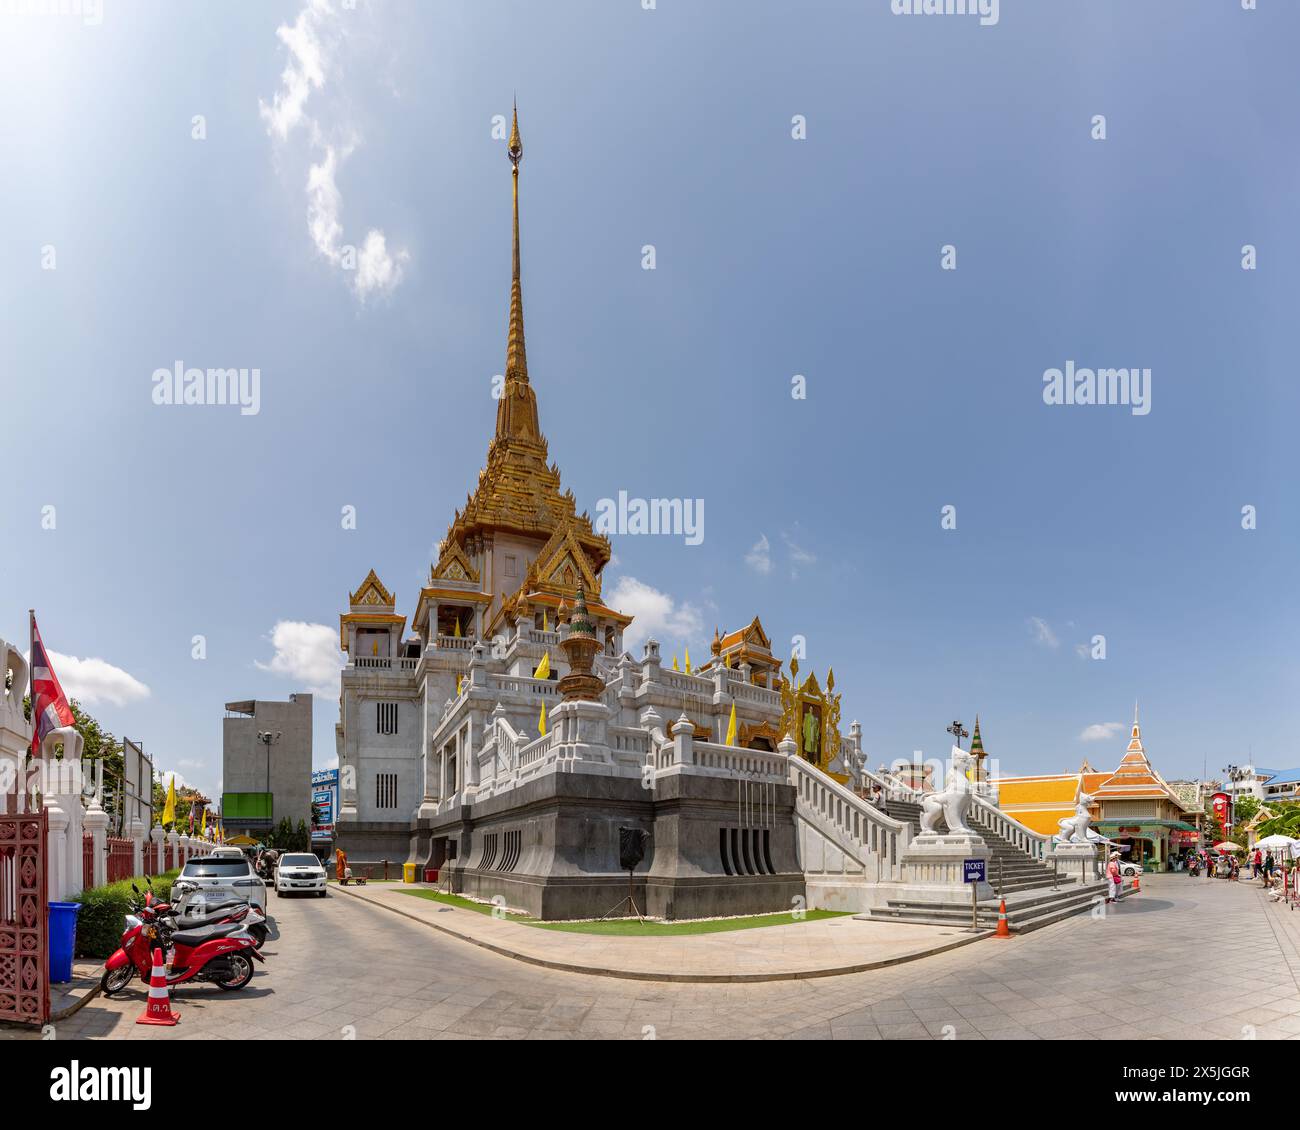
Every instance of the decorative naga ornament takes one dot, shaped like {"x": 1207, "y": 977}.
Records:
{"x": 954, "y": 801}
{"x": 580, "y": 645}
{"x": 811, "y": 717}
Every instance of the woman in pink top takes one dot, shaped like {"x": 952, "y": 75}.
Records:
{"x": 1112, "y": 874}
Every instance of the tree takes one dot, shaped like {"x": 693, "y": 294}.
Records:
{"x": 302, "y": 838}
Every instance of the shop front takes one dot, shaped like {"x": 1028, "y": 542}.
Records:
{"x": 1152, "y": 843}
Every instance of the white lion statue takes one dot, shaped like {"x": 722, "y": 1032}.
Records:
{"x": 1074, "y": 829}
{"x": 954, "y": 801}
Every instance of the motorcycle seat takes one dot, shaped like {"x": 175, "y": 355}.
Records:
{"x": 201, "y": 934}
{"x": 198, "y": 917}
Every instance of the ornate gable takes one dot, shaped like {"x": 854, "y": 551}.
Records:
{"x": 454, "y": 565}
{"x": 372, "y": 595}
{"x": 562, "y": 564}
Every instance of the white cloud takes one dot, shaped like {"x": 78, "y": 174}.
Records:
{"x": 312, "y": 41}
{"x": 1042, "y": 632}
{"x": 759, "y": 558}
{"x": 304, "y": 72}
{"x": 657, "y": 614}
{"x": 1102, "y": 731}
{"x": 306, "y": 653}
{"x": 799, "y": 556}
{"x": 92, "y": 681}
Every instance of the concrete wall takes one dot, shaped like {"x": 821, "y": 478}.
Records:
{"x": 244, "y": 758}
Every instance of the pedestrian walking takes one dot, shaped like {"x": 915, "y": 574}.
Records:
{"x": 1113, "y": 876}
{"x": 1256, "y": 861}
{"x": 1269, "y": 865}
{"x": 1209, "y": 864}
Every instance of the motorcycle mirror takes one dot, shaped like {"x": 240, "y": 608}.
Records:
{"x": 135, "y": 888}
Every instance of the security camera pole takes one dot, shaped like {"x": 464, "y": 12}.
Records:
{"x": 268, "y": 739}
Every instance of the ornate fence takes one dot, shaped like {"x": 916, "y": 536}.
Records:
{"x": 121, "y": 859}
{"x": 24, "y": 919}
{"x": 87, "y": 862}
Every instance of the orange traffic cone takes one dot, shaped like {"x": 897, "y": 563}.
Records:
{"x": 1003, "y": 930}
{"x": 158, "y": 1010}
{"x": 1137, "y": 882}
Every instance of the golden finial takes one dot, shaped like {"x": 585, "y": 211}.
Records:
{"x": 515, "y": 148}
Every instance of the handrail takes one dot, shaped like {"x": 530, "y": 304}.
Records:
{"x": 859, "y": 829}
{"x": 1033, "y": 844}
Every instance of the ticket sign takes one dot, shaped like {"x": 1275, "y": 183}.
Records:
{"x": 972, "y": 870}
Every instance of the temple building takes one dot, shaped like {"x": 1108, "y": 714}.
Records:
{"x": 507, "y": 741}
{"x": 1133, "y": 806}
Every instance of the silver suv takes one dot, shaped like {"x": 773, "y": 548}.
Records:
{"x": 210, "y": 879}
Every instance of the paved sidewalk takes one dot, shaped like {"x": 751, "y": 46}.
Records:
{"x": 824, "y": 948}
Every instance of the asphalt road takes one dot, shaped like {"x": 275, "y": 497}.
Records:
{"x": 343, "y": 969}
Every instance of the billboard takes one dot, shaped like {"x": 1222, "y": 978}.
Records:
{"x": 137, "y": 787}
{"x": 325, "y": 796}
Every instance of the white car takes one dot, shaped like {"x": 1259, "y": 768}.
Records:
{"x": 218, "y": 878}
{"x": 299, "y": 871}
{"x": 1129, "y": 869}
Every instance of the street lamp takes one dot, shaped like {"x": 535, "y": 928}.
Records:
{"x": 268, "y": 739}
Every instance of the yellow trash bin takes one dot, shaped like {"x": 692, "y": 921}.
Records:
{"x": 408, "y": 872}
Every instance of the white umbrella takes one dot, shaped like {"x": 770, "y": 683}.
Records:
{"x": 1228, "y": 845}
{"x": 1276, "y": 841}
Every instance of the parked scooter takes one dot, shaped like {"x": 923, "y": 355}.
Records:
{"x": 177, "y": 916}
{"x": 222, "y": 954}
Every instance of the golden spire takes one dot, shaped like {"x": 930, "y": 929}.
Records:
{"x": 516, "y": 357}
{"x": 517, "y": 407}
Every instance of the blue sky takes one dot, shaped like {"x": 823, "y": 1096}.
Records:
{"x": 774, "y": 257}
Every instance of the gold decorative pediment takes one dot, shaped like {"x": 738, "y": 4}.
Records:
{"x": 372, "y": 594}
{"x": 562, "y": 564}
{"x": 454, "y": 565}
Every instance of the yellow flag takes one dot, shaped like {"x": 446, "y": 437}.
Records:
{"x": 374, "y": 648}
{"x": 731, "y": 727}
{"x": 458, "y": 682}
{"x": 456, "y": 630}
{"x": 541, "y": 722}
{"x": 675, "y": 667}
{"x": 544, "y": 667}
{"x": 688, "y": 660}
{"x": 203, "y": 825}
{"x": 544, "y": 627}
{"x": 169, "y": 809}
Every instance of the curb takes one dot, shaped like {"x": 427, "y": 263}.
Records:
{"x": 77, "y": 1006}
{"x": 680, "y": 978}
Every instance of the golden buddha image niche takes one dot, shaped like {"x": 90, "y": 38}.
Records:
{"x": 811, "y": 717}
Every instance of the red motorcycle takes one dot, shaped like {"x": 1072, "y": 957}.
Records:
{"x": 222, "y": 953}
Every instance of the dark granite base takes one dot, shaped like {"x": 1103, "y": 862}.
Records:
{"x": 551, "y": 847}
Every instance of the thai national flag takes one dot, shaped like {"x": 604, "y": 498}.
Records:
{"x": 50, "y": 708}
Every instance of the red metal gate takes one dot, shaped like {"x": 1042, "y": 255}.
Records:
{"x": 24, "y": 919}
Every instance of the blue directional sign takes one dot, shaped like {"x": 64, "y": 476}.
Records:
{"x": 973, "y": 870}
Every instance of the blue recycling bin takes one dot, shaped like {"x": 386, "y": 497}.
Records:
{"x": 63, "y": 939}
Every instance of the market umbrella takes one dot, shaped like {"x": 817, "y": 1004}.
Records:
{"x": 1276, "y": 841}
{"x": 1228, "y": 845}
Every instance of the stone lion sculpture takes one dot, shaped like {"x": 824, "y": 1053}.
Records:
{"x": 954, "y": 801}
{"x": 1074, "y": 829}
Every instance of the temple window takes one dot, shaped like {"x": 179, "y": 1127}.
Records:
{"x": 455, "y": 620}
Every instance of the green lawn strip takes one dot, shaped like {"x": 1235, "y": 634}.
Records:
{"x": 630, "y": 928}
{"x": 464, "y": 903}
